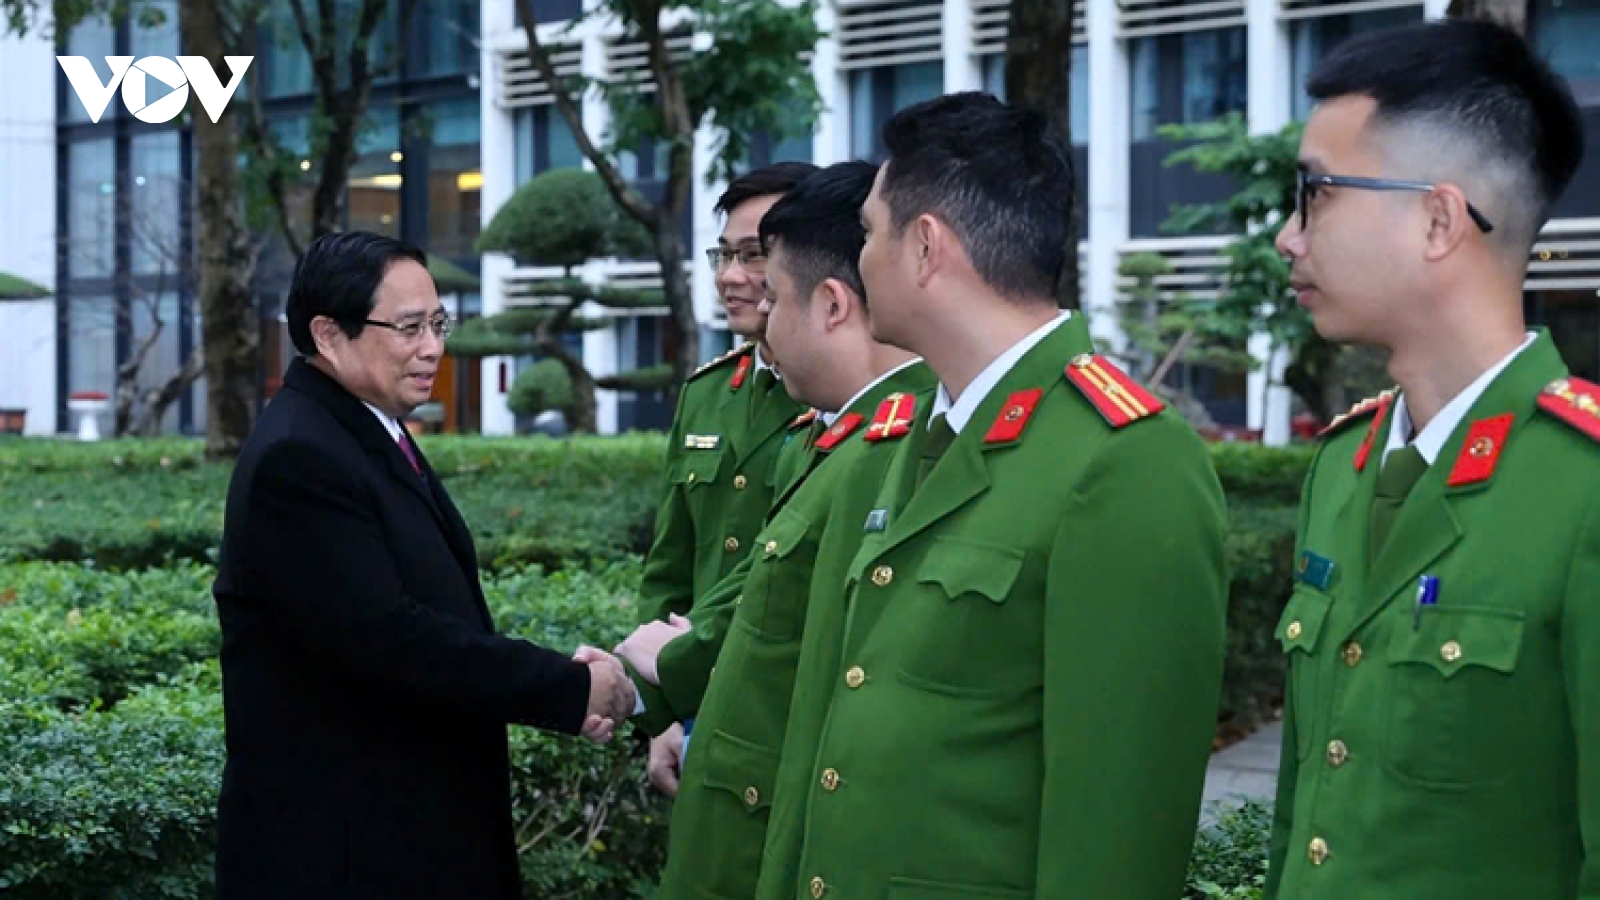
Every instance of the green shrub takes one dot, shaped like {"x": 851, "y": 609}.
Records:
{"x": 118, "y": 797}
{"x": 1230, "y": 854}
{"x": 545, "y": 385}
{"x": 1255, "y": 474}
{"x": 1260, "y": 547}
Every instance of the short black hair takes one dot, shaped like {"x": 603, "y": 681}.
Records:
{"x": 1481, "y": 83}
{"x": 337, "y": 277}
{"x": 819, "y": 224}
{"x": 778, "y": 178}
{"x": 989, "y": 171}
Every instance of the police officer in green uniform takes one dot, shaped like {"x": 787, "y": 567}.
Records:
{"x": 722, "y": 451}
{"x": 1442, "y": 726}
{"x": 1010, "y": 688}
{"x": 818, "y": 329}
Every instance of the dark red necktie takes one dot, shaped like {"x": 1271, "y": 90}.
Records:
{"x": 411, "y": 455}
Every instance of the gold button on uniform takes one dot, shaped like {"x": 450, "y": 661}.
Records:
{"x": 1450, "y": 652}
{"x": 818, "y": 888}
{"x": 1351, "y": 654}
{"x": 855, "y": 678}
{"x": 1317, "y": 852}
{"x": 772, "y": 547}
{"x": 1337, "y": 753}
{"x": 692, "y": 478}
{"x": 1293, "y": 631}
{"x": 882, "y": 575}
{"x": 739, "y": 481}
{"x": 731, "y": 545}
{"x": 751, "y": 796}
{"x": 830, "y": 780}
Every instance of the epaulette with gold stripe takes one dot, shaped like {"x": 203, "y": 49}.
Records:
{"x": 1120, "y": 400}
{"x": 1357, "y": 412}
{"x": 1575, "y": 402}
{"x": 724, "y": 359}
{"x": 802, "y": 420}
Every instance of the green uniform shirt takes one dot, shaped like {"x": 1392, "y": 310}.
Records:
{"x": 753, "y": 618}
{"x": 718, "y": 481}
{"x": 1451, "y": 750}
{"x": 1012, "y": 689}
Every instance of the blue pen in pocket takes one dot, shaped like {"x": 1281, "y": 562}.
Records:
{"x": 1427, "y": 595}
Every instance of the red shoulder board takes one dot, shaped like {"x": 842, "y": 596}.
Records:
{"x": 1575, "y": 402}
{"x": 841, "y": 429}
{"x": 1354, "y": 414}
{"x": 802, "y": 420}
{"x": 1120, "y": 399}
{"x": 893, "y": 418}
{"x": 1013, "y": 417}
{"x": 1481, "y": 450}
{"x": 737, "y": 381}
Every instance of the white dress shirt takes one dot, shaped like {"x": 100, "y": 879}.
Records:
{"x": 957, "y": 413}
{"x": 390, "y": 424}
{"x": 828, "y": 418}
{"x": 1432, "y": 438}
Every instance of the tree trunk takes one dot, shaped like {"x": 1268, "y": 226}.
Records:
{"x": 683, "y": 339}
{"x": 585, "y": 415}
{"x": 229, "y": 326}
{"x": 1511, "y": 13}
{"x": 1039, "y": 77}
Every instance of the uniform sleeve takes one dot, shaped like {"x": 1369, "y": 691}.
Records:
{"x": 684, "y": 665}
{"x": 1134, "y": 636}
{"x": 332, "y": 591}
{"x": 1288, "y": 758}
{"x": 1580, "y": 654}
{"x": 667, "y": 585}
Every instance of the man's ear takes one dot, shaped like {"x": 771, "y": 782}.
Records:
{"x": 327, "y": 334}
{"x": 838, "y": 303}
{"x": 1449, "y": 223}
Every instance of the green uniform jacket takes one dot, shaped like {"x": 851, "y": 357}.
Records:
{"x": 754, "y": 618}
{"x": 719, "y": 481}
{"x": 1452, "y": 751}
{"x": 1013, "y": 691}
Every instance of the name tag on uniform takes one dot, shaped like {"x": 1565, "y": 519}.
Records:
{"x": 702, "y": 441}
{"x": 877, "y": 520}
{"x": 1314, "y": 569}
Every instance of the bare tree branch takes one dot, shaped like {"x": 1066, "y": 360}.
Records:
{"x": 626, "y": 195}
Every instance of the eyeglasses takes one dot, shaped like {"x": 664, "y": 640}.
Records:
{"x": 1309, "y": 184}
{"x": 750, "y": 256}
{"x": 411, "y": 330}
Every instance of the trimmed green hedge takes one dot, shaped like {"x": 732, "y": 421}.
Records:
{"x": 109, "y": 777}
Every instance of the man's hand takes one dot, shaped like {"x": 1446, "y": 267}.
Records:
{"x": 611, "y": 696}
{"x": 644, "y": 645}
{"x": 666, "y": 760}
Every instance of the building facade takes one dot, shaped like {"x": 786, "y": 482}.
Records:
{"x": 1137, "y": 65}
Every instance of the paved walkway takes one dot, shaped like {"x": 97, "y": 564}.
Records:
{"x": 1248, "y": 769}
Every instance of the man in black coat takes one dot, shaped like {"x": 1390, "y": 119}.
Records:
{"x": 366, "y": 692}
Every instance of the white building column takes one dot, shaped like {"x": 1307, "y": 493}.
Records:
{"x": 831, "y": 141}
{"x": 962, "y": 71}
{"x": 1435, "y": 9}
{"x": 498, "y": 162}
{"x": 1267, "y": 400}
{"x": 28, "y": 226}
{"x": 1110, "y": 135}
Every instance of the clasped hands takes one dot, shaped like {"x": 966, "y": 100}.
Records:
{"x": 611, "y": 694}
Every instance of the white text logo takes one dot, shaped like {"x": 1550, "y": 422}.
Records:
{"x": 135, "y": 79}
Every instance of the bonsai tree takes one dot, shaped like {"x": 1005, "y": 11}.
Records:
{"x": 564, "y": 217}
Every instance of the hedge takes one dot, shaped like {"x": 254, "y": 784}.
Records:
{"x": 113, "y": 794}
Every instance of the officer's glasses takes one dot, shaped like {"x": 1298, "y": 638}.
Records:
{"x": 750, "y": 256}
{"x": 1309, "y": 184}
{"x": 411, "y": 329}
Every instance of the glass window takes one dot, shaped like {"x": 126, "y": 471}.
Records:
{"x": 285, "y": 65}
{"x": 449, "y": 31}
{"x": 91, "y": 345}
{"x": 994, "y": 81}
{"x": 1567, "y": 33}
{"x": 91, "y": 213}
{"x": 877, "y": 94}
{"x": 543, "y": 142}
{"x": 155, "y": 40}
{"x": 374, "y": 202}
{"x": 455, "y": 181}
{"x": 1311, "y": 39}
{"x": 94, "y": 39}
{"x": 162, "y": 363}
{"x": 1187, "y": 79}
{"x": 156, "y": 185}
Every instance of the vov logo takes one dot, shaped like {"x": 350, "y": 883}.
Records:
{"x": 135, "y": 79}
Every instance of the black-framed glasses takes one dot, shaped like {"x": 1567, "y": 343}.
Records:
{"x": 411, "y": 329}
{"x": 1309, "y": 184}
{"x": 750, "y": 256}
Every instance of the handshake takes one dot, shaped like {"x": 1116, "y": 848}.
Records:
{"x": 611, "y": 694}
